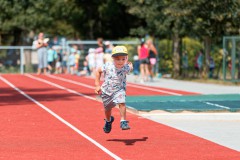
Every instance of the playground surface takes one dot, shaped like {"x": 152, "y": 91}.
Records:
{"x": 59, "y": 117}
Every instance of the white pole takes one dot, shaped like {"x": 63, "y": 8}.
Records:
{"x": 21, "y": 60}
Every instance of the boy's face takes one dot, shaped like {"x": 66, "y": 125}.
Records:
{"x": 119, "y": 61}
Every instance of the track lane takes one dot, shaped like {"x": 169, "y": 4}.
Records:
{"x": 133, "y": 89}
{"x": 29, "y": 132}
{"x": 145, "y": 136}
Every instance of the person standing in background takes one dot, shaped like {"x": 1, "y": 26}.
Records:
{"x": 185, "y": 64}
{"x": 41, "y": 47}
{"x": 143, "y": 53}
{"x": 136, "y": 67}
{"x": 152, "y": 58}
{"x": 52, "y": 56}
{"x": 71, "y": 61}
{"x": 91, "y": 61}
{"x": 108, "y": 52}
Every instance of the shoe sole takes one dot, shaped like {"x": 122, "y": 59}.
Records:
{"x": 125, "y": 128}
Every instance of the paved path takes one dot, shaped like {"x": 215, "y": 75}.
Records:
{"x": 221, "y": 128}
{"x": 190, "y": 86}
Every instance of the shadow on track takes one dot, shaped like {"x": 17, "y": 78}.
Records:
{"x": 129, "y": 141}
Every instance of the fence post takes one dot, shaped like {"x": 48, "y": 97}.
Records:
{"x": 233, "y": 58}
{"x": 21, "y": 60}
{"x": 224, "y": 58}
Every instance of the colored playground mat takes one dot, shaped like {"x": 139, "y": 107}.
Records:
{"x": 197, "y": 103}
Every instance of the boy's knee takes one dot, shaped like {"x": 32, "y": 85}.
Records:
{"x": 121, "y": 105}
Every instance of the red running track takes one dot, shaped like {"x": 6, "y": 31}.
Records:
{"x": 29, "y": 132}
{"x": 132, "y": 90}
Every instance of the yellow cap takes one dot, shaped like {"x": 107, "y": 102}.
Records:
{"x": 119, "y": 51}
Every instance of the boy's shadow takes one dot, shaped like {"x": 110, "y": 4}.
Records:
{"x": 129, "y": 141}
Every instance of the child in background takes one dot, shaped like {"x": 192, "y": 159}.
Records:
{"x": 108, "y": 52}
{"x": 114, "y": 86}
{"x": 71, "y": 61}
{"x": 136, "y": 67}
{"x": 85, "y": 71}
{"x": 64, "y": 62}
{"x": 51, "y": 56}
{"x": 58, "y": 66}
{"x": 91, "y": 61}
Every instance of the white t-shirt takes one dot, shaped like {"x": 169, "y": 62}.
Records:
{"x": 99, "y": 59}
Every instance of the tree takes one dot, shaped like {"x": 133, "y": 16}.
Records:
{"x": 209, "y": 20}
{"x": 214, "y": 19}
{"x": 21, "y": 17}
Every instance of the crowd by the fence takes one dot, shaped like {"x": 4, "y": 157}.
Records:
{"x": 52, "y": 58}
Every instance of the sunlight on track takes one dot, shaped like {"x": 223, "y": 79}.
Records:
{"x": 60, "y": 87}
{"x": 71, "y": 81}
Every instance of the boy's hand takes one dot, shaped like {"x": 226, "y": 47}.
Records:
{"x": 97, "y": 89}
{"x": 130, "y": 65}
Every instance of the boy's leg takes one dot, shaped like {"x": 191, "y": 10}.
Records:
{"x": 124, "y": 123}
{"x": 122, "y": 110}
{"x": 108, "y": 121}
{"x": 108, "y": 114}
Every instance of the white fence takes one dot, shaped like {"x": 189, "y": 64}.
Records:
{"x": 24, "y": 51}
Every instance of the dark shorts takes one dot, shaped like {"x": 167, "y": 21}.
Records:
{"x": 64, "y": 64}
{"x": 144, "y": 61}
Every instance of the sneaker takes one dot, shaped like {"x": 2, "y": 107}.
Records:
{"x": 124, "y": 125}
{"x": 108, "y": 125}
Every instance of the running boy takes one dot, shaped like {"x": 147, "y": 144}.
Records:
{"x": 113, "y": 89}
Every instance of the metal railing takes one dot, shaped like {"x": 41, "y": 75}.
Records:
{"x": 65, "y": 47}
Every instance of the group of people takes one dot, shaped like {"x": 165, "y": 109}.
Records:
{"x": 98, "y": 56}
{"x": 53, "y": 59}
{"x": 50, "y": 56}
{"x": 198, "y": 65}
{"x": 145, "y": 60}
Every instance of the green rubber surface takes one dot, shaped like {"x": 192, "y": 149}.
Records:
{"x": 198, "y": 103}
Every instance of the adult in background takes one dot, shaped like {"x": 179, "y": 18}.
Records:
{"x": 91, "y": 61}
{"x": 108, "y": 52}
{"x": 185, "y": 64}
{"x": 198, "y": 64}
{"x": 136, "y": 67}
{"x": 143, "y": 54}
{"x": 41, "y": 47}
{"x": 152, "y": 58}
{"x": 100, "y": 44}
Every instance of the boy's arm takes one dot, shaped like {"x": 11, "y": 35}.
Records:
{"x": 97, "y": 80}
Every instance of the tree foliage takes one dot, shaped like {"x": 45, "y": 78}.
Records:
{"x": 203, "y": 19}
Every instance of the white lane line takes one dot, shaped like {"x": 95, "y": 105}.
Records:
{"x": 190, "y": 114}
{"x": 216, "y": 105}
{"x": 88, "y": 86}
{"x": 136, "y": 86}
{"x": 60, "y": 87}
{"x": 62, "y": 120}
{"x": 71, "y": 81}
